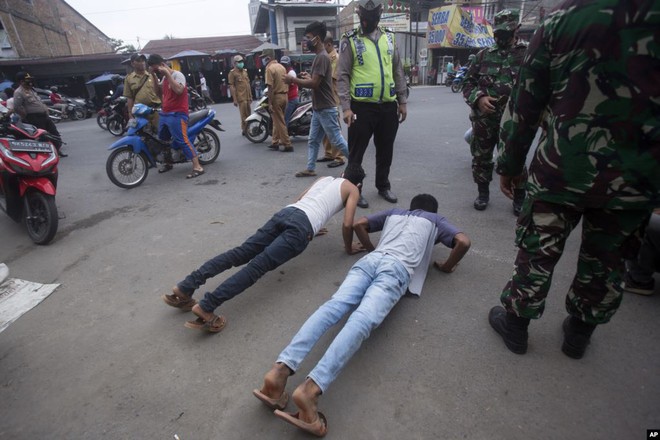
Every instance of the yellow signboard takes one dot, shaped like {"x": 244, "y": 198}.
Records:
{"x": 453, "y": 26}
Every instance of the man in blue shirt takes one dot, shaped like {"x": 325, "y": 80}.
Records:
{"x": 372, "y": 288}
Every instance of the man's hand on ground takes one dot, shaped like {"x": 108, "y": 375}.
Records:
{"x": 440, "y": 265}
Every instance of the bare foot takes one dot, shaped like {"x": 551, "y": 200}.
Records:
{"x": 275, "y": 380}
{"x": 306, "y": 398}
{"x": 206, "y": 316}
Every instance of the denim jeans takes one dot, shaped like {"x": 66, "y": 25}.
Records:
{"x": 372, "y": 288}
{"x": 324, "y": 122}
{"x": 290, "y": 108}
{"x": 282, "y": 238}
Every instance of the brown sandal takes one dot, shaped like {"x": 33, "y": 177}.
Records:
{"x": 185, "y": 304}
{"x": 215, "y": 325}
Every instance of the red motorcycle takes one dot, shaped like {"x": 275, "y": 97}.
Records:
{"x": 28, "y": 178}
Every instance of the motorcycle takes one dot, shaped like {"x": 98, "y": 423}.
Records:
{"x": 132, "y": 156}
{"x": 449, "y": 79}
{"x": 457, "y": 83}
{"x": 195, "y": 100}
{"x": 28, "y": 178}
{"x": 116, "y": 122}
{"x": 104, "y": 112}
{"x": 260, "y": 122}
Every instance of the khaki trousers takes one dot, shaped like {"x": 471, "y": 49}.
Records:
{"x": 280, "y": 132}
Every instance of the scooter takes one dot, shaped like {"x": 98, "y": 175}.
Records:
{"x": 457, "y": 83}
{"x": 260, "y": 122}
{"x": 28, "y": 178}
{"x": 116, "y": 122}
{"x": 132, "y": 156}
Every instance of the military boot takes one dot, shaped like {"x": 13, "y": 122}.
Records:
{"x": 481, "y": 201}
{"x": 518, "y": 199}
{"x": 577, "y": 335}
{"x": 511, "y": 328}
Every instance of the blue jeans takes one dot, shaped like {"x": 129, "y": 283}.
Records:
{"x": 324, "y": 122}
{"x": 282, "y": 238}
{"x": 290, "y": 108}
{"x": 372, "y": 288}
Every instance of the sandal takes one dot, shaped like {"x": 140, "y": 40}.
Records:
{"x": 165, "y": 168}
{"x": 195, "y": 173}
{"x": 272, "y": 403}
{"x": 318, "y": 427}
{"x": 306, "y": 173}
{"x": 185, "y": 304}
{"x": 213, "y": 326}
{"x": 336, "y": 163}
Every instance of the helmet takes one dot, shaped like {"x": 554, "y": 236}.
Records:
{"x": 142, "y": 110}
{"x": 54, "y": 89}
{"x": 468, "y": 135}
{"x": 472, "y": 57}
{"x": 285, "y": 60}
{"x": 370, "y": 5}
{"x": 506, "y": 20}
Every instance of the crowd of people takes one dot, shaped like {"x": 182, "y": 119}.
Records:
{"x": 595, "y": 163}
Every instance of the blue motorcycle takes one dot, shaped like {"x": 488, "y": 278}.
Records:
{"x": 457, "y": 83}
{"x": 141, "y": 149}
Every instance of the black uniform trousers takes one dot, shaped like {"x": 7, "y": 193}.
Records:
{"x": 382, "y": 122}
{"x": 41, "y": 120}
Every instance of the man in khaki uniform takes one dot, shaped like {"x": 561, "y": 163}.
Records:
{"x": 241, "y": 92}
{"x": 278, "y": 92}
{"x": 332, "y": 154}
{"x": 139, "y": 88}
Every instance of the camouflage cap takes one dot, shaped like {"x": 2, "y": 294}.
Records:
{"x": 268, "y": 53}
{"x": 506, "y": 20}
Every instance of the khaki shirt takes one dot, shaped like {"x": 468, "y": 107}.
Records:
{"x": 274, "y": 73}
{"x": 239, "y": 83}
{"x": 26, "y": 101}
{"x": 334, "y": 57}
{"x": 146, "y": 95}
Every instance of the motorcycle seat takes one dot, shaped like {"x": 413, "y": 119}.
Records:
{"x": 197, "y": 116}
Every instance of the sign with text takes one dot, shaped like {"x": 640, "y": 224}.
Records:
{"x": 456, "y": 27}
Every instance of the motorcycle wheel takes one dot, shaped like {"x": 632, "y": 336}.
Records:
{"x": 456, "y": 88}
{"x": 102, "y": 120}
{"x": 126, "y": 169}
{"x": 207, "y": 144}
{"x": 78, "y": 113}
{"x": 42, "y": 226}
{"x": 115, "y": 125}
{"x": 256, "y": 131}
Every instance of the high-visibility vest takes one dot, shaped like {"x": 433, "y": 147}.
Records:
{"x": 372, "y": 78}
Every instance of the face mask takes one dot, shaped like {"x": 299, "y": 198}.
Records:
{"x": 502, "y": 38}
{"x": 240, "y": 65}
{"x": 311, "y": 46}
{"x": 369, "y": 21}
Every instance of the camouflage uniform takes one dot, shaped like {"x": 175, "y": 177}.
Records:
{"x": 587, "y": 81}
{"x": 492, "y": 73}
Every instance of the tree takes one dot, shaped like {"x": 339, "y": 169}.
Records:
{"x": 118, "y": 46}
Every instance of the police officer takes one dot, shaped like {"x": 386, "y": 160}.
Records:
{"x": 370, "y": 81}
{"x": 241, "y": 92}
{"x": 488, "y": 84}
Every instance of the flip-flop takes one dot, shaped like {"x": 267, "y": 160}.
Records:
{"x": 165, "y": 168}
{"x": 215, "y": 325}
{"x": 325, "y": 159}
{"x": 336, "y": 163}
{"x": 319, "y": 427}
{"x": 306, "y": 173}
{"x": 184, "y": 304}
{"x": 195, "y": 173}
{"x": 272, "y": 403}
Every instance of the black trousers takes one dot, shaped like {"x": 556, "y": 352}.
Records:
{"x": 382, "y": 122}
{"x": 41, "y": 120}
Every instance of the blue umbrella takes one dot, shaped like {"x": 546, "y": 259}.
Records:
{"x": 106, "y": 77}
{"x": 5, "y": 84}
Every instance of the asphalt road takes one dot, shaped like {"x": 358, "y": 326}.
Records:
{"x": 103, "y": 357}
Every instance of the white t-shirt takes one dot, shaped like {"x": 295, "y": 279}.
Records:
{"x": 202, "y": 82}
{"x": 322, "y": 201}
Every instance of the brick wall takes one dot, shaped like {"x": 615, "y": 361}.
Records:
{"x": 49, "y": 28}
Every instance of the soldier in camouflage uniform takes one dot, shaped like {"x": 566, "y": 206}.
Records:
{"x": 590, "y": 79}
{"x": 488, "y": 84}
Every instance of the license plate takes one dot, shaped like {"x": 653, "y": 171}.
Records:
{"x": 30, "y": 146}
